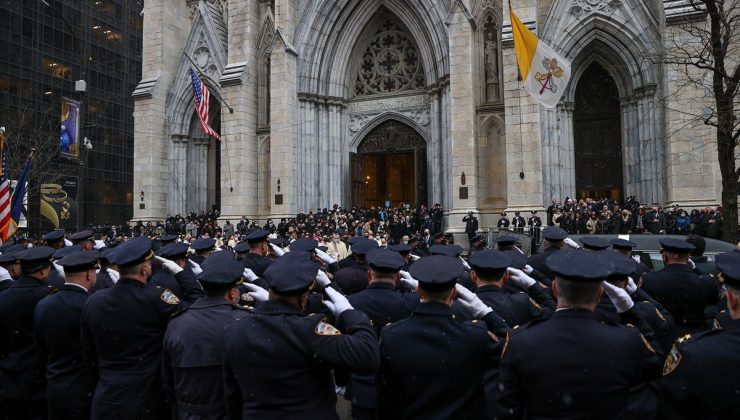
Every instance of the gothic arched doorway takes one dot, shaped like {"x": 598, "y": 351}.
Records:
{"x": 597, "y": 135}
{"x": 389, "y": 166}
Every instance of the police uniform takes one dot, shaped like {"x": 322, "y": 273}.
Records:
{"x": 57, "y": 322}
{"x": 682, "y": 292}
{"x": 567, "y": 366}
{"x": 255, "y": 262}
{"x": 22, "y": 373}
{"x": 515, "y": 308}
{"x": 7, "y": 260}
{"x": 432, "y": 365}
{"x": 503, "y": 222}
{"x": 103, "y": 279}
{"x": 164, "y": 279}
{"x": 81, "y": 237}
{"x": 55, "y": 278}
{"x": 404, "y": 250}
{"x": 641, "y": 269}
{"x": 518, "y": 223}
{"x": 192, "y": 353}
{"x": 477, "y": 243}
{"x": 122, "y": 330}
{"x": 54, "y": 239}
{"x": 595, "y": 243}
{"x": 352, "y": 279}
{"x": 554, "y": 235}
{"x": 701, "y": 370}
{"x": 202, "y": 246}
{"x": 277, "y": 362}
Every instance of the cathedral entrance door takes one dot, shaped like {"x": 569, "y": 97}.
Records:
{"x": 389, "y": 166}
{"x": 597, "y": 136}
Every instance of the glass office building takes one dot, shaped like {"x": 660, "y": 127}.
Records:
{"x": 46, "y": 46}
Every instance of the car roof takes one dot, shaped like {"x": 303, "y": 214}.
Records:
{"x": 650, "y": 243}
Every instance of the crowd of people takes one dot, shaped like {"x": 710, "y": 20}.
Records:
{"x": 274, "y": 328}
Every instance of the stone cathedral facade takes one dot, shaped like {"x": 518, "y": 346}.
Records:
{"x": 366, "y": 101}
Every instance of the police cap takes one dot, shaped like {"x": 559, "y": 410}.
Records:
{"x": 35, "y": 259}
{"x": 385, "y": 261}
{"x": 579, "y": 266}
{"x": 242, "y": 247}
{"x": 518, "y": 260}
{"x": 82, "y": 235}
{"x": 219, "y": 257}
{"x": 448, "y": 250}
{"x": 80, "y": 261}
{"x": 362, "y": 247}
{"x": 489, "y": 261}
{"x": 676, "y": 245}
{"x": 505, "y": 240}
{"x": 105, "y": 254}
{"x": 401, "y": 248}
{"x": 203, "y": 244}
{"x": 595, "y": 243}
{"x": 291, "y": 273}
{"x": 8, "y": 258}
{"x": 257, "y": 236}
{"x": 554, "y": 234}
{"x": 173, "y": 251}
{"x": 166, "y": 239}
{"x": 132, "y": 252}
{"x": 64, "y": 251}
{"x": 623, "y": 244}
{"x": 728, "y": 265}
{"x": 53, "y": 236}
{"x": 623, "y": 266}
{"x": 226, "y": 273}
{"x": 437, "y": 272}
{"x": 304, "y": 245}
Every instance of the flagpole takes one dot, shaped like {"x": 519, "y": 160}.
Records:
{"x": 519, "y": 99}
{"x": 213, "y": 83}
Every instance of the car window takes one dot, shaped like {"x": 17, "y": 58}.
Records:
{"x": 657, "y": 261}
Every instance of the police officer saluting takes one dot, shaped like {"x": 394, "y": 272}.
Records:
{"x": 701, "y": 370}
{"x": 354, "y": 278}
{"x": 256, "y": 259}
{"x": 192, "y": 353}
{"x": 57, "y": 322}
{"x": 277, "y": 362}
{"x": 22, "y": 373}
{"x": 203, "y": 248}
{"x": 122, "y": 331}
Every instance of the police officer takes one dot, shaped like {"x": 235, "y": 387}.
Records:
{"x": 9, "y": 261}
{"x": 595, "y": 243}
{"x": 354, "y": 278}
{"x": 505, "y": 242}
{"x": 122, "y": 331}
{"x": 57, "y": 322}
{"x": 54, "y": 239}
{"x": 162, "y": 278}
{"x": 681, "y": 291}
{"x": 256, "y": 259}
{"x": 405, "y": 251}
{"x": 503, "y": 222}
{"x": 551, "y": 383}
{"x": 203, "y": 248}
{"x": 107, "y": 275}
{"x": 535, "y": 226}
{"x": 241, "y": 250}
{"x": 432, "y": 365}
{"x": 625, "y": 248}
{"x": 518, "y": 223}
{"x": 277, "y": 362}
{"x": 56, "y": 275}
{"x": 702, "y": 265}
{"x": 554, "y": 242}
{"x": 477, "y": 243}
{"x": 84, "y": 238}
{"x": 471, "y": 225}
{"x": 192, "y": 353}
{"x": 22, "y": 373}
{"x": 700, "y": 371}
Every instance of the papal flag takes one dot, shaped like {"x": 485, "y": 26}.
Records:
{"x": 545, "y": 73}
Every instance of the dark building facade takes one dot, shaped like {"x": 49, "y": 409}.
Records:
{"x": 45, "y": 47}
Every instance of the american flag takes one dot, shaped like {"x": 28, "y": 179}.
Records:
{"x": 4, "y": 199}
{"x": 202, "y": 97}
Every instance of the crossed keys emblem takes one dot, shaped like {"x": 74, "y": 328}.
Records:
{"x": 546, "y": 79}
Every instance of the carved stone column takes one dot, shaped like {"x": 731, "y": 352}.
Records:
{"x": 178, "y": 178}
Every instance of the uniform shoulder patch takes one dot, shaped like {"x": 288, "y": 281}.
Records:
{"x": 326, "y": 329}
{"x": 169, "y": 298}
{"x": 672, "y": 360}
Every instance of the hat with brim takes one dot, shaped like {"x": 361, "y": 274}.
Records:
{"x": 35, "y": 259}
{"x": 80, "y": 261}
{"x": 437, "y": 272}
{"x": 226, "y": 273}
{"x": 292, "y": 273}
{"x": 579, "y": 266}
{"x": 132, "y": 252}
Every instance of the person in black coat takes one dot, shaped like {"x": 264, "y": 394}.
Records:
{"x": 471, "y": 225}
{"x": 57, "y": 323}
{"x": 700, "y": 373}
{"x": 682, "y": 292}
{"x": 122, "y": 331}
{"x": 22, "y": 373}
{"x": 278, "y": 362}
{"x": 354, "y": 278}
{"x": 106, "y": 276}
{"x": 542, "y": 370}
{"x": 203, "y": 248}
{"x": 432, "y": 365}
{"x": 192, "y": 353}
{"x": 554, "y": 237}
{"x": 162, "y": 278}
{"x": 257, "y": 258}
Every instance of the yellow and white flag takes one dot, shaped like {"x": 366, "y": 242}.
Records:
{"x": 545, "y": 73}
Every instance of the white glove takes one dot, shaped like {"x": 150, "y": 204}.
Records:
{"x": 322, "y": 279}
{"x": 324, "y": 257}
{"x": 249, "y": 275}
{"x": 471, "y": 302}
{"x": 276, "y": 249}
{"x": 337, "y": 303}
{"x": 4, "y": 275}
{"x": 195, "y": 267}
{"x": 631, "y": 286}
{"x": 528, "y": 269}
{"x": 465, "y": 263}
{"x": 59, "y": 269}
{"x": 414, "y": 257}
{"x": 169, "y": 265}
{"x": 259, "y": 294}
{"x": 114, "y": 275}
{"x": 520, "y": 278}
{"x": 571, "y": 243}
{"x": 637, "y": 259}
{"x": 619, "y": 297}
{"x": 406, "y": 278}
{"x": 692, "y": 264}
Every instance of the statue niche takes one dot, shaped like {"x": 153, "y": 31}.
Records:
{"x": 491, "y": 59}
